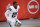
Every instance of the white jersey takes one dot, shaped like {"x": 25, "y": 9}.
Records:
{"x": 13, "y": 9}
{"x": 11, "y": 12}
{"x": 10, "y": 19}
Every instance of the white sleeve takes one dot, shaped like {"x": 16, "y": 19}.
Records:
{"x": 18, "y": 7}
{"x": 7, "y": 12}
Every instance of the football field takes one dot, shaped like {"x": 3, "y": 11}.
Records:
{"x": 25, "y": 23}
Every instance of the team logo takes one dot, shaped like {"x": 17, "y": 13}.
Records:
{"x": 33, "y": 6}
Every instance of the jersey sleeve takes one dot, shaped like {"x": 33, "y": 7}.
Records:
{"x": 6, "y": 14}
{"x": 18, "y": 7}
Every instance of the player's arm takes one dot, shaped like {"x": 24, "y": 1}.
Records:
{"x": 6, "y": 14}
{"x": 18, "y": 7}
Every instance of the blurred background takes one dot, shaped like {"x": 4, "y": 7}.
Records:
{"x": 28, "y": 14}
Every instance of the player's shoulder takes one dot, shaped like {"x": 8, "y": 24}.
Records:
{"x": 11, "y": 6}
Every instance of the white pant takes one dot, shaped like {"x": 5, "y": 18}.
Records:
{"x": 12, "y": 21}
